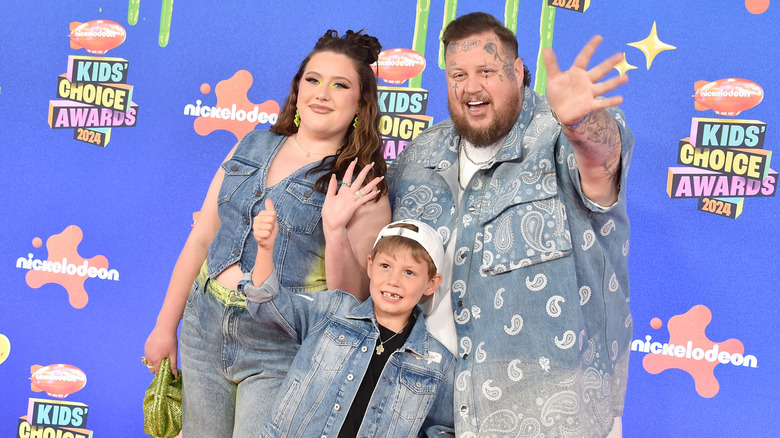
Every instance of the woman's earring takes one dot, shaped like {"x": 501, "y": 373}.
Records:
{"x": 355, "y": 123}
{"x": 297, "y": 119}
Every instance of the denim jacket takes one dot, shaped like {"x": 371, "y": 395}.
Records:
{"x": 299, "y": 254}
{"x": 338, "y": 335}
{"x": 539, "y": 289}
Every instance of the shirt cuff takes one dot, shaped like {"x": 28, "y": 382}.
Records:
{"x": 259, "y": 294}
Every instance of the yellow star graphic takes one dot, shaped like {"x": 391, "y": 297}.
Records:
{"x": 651, "y": 46}
{"x": 623, "y": 66}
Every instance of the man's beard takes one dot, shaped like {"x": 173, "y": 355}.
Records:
{"x": 502, "y": 123}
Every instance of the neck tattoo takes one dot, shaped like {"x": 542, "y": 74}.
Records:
{"x": 308, "y": 154}
{"x": 380, "y": 348}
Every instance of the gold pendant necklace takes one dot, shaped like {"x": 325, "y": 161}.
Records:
{"x": 308, "y": 154}
{"x": 380, "y": 348}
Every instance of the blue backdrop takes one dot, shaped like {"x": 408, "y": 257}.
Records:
{"x": 117, "y": 204}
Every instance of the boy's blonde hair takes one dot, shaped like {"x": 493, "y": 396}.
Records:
{"x": 390, "y": 244}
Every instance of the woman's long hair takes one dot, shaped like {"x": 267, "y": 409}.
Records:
{"x": 363, "y": 142}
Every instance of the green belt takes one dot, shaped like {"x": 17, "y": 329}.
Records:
{"x": 226, "y": 296}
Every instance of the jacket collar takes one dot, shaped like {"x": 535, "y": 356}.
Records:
{"x": 418, "y": 339}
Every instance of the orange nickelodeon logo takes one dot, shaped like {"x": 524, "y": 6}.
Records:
{"x": 727, "y": 97}
{"x": 96, "y": 36}
{"x": 59, "y": 381}
{"x": 395, "y": 66}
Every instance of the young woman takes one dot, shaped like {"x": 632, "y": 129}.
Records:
{"x": 328, "y": 127}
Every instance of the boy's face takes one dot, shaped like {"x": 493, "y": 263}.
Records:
{"x": 398, "y": 281}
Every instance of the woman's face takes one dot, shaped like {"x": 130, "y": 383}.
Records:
{"x": 328, "y": 94}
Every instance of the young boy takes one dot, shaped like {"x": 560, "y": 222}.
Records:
{"x": 363, "y": 369}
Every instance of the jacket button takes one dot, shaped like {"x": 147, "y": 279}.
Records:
{"x": 307, "y": 195}
{"x": 364, "y": 349}
{"x": 418, "y": 384}
{"x": 234, "y": 168}
{"x": 259, "y": 193}
{"x": 472, "y": 209}
{"x": 337, "y": 407}
{"x": 342, "y": 337}
{"x": 350, "y": 377}
{"x": 246, "y": 220}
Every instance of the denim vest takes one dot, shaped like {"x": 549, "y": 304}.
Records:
{"x": 338, "y": 335}
{"x": 299, "y": 253}
{"x": 540, "y": 288}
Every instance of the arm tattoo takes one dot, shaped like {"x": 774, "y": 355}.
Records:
{"x": 601, "y": 137}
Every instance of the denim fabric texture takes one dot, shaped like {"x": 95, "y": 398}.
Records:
{"x": 232, "y": 364}
{"x": 540, "y": 288}
{"x": 299, "y": 254}
{"x": 338, "y": 335}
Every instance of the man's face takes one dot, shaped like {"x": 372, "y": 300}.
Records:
{"x": 484, "y": 86}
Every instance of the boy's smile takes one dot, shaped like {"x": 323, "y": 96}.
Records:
{"x": 398, "y": 281}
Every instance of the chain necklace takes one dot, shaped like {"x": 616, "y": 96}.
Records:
{"x": 308, "y": 154}
{"x": 380, "y": 348}
{"x": 462, "y": 147}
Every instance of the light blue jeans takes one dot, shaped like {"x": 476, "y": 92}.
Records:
{"x": 232, "y": 365}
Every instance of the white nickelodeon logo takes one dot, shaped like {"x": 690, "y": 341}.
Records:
{"x": 63, "y": 267}
{"x": 232, "y": 113}
{"x": 689, "y": 352}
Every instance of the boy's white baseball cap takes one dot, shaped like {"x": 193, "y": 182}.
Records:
{"x": 425, "y": 236}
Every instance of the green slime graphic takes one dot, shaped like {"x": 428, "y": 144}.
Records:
{"x": 546, "y": 27}
{"x": 165, "y": 18}
{"x": 420, "y": 35}
{"x": 132, "y": 11}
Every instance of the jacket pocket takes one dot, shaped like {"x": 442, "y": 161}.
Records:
{"x": 416, "y": 391}
{"x": 236, "y": 172}
{"x": 523, "y": 230}
{"x": 336, "y": 344}
{"x": 300, "y": 207}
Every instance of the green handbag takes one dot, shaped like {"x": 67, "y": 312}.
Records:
{"x": 162, "y": 403}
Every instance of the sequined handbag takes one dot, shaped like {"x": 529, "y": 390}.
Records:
{"x": 162, "y": 403}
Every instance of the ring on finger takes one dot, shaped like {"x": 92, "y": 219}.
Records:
{"x": 358, "y": 194}
{"x": 344, "y": 183}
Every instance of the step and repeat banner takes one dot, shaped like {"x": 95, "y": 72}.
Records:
{"x": 115, "y": 115}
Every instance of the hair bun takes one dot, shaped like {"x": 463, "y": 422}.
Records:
{"x": 365, "y": 47}
{"x": 369, "y": 45}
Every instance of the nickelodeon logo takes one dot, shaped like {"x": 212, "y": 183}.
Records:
{"x": 64, "y": 266}
{"x": 690, "y": 350}
{"x": 234, "y": 112}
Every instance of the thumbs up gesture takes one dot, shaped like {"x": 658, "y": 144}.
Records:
{"x": 265, "y": 228}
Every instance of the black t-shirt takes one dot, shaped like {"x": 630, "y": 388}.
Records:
{"x": 382, "y": 351}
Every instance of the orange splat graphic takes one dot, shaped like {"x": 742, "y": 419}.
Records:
{"x": 757, "y": 6}
{"x": 232, "y": 98}
{"x": 686, "y": 328}
{"x": 64, "y": 246}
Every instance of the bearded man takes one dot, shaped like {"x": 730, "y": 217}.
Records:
{"x": 528, "y": 195}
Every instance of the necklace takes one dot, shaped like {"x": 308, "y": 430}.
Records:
{"x": 463, "y": 147}
{"x": 380, "y": 348}
{"x": 479, "y": 163}
{"x": 308, "y": 154}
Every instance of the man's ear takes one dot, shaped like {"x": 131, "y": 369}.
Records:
{"x": 433, "y": 284}
{"x": 519, "y": 71}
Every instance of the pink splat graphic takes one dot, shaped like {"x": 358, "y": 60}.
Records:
{"x": 63, "y": 249}
{"x": 237, "y": 113}
{"x": 687, "y": 331}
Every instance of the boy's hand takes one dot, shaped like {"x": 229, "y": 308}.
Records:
{"x": 265, "y": 228}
